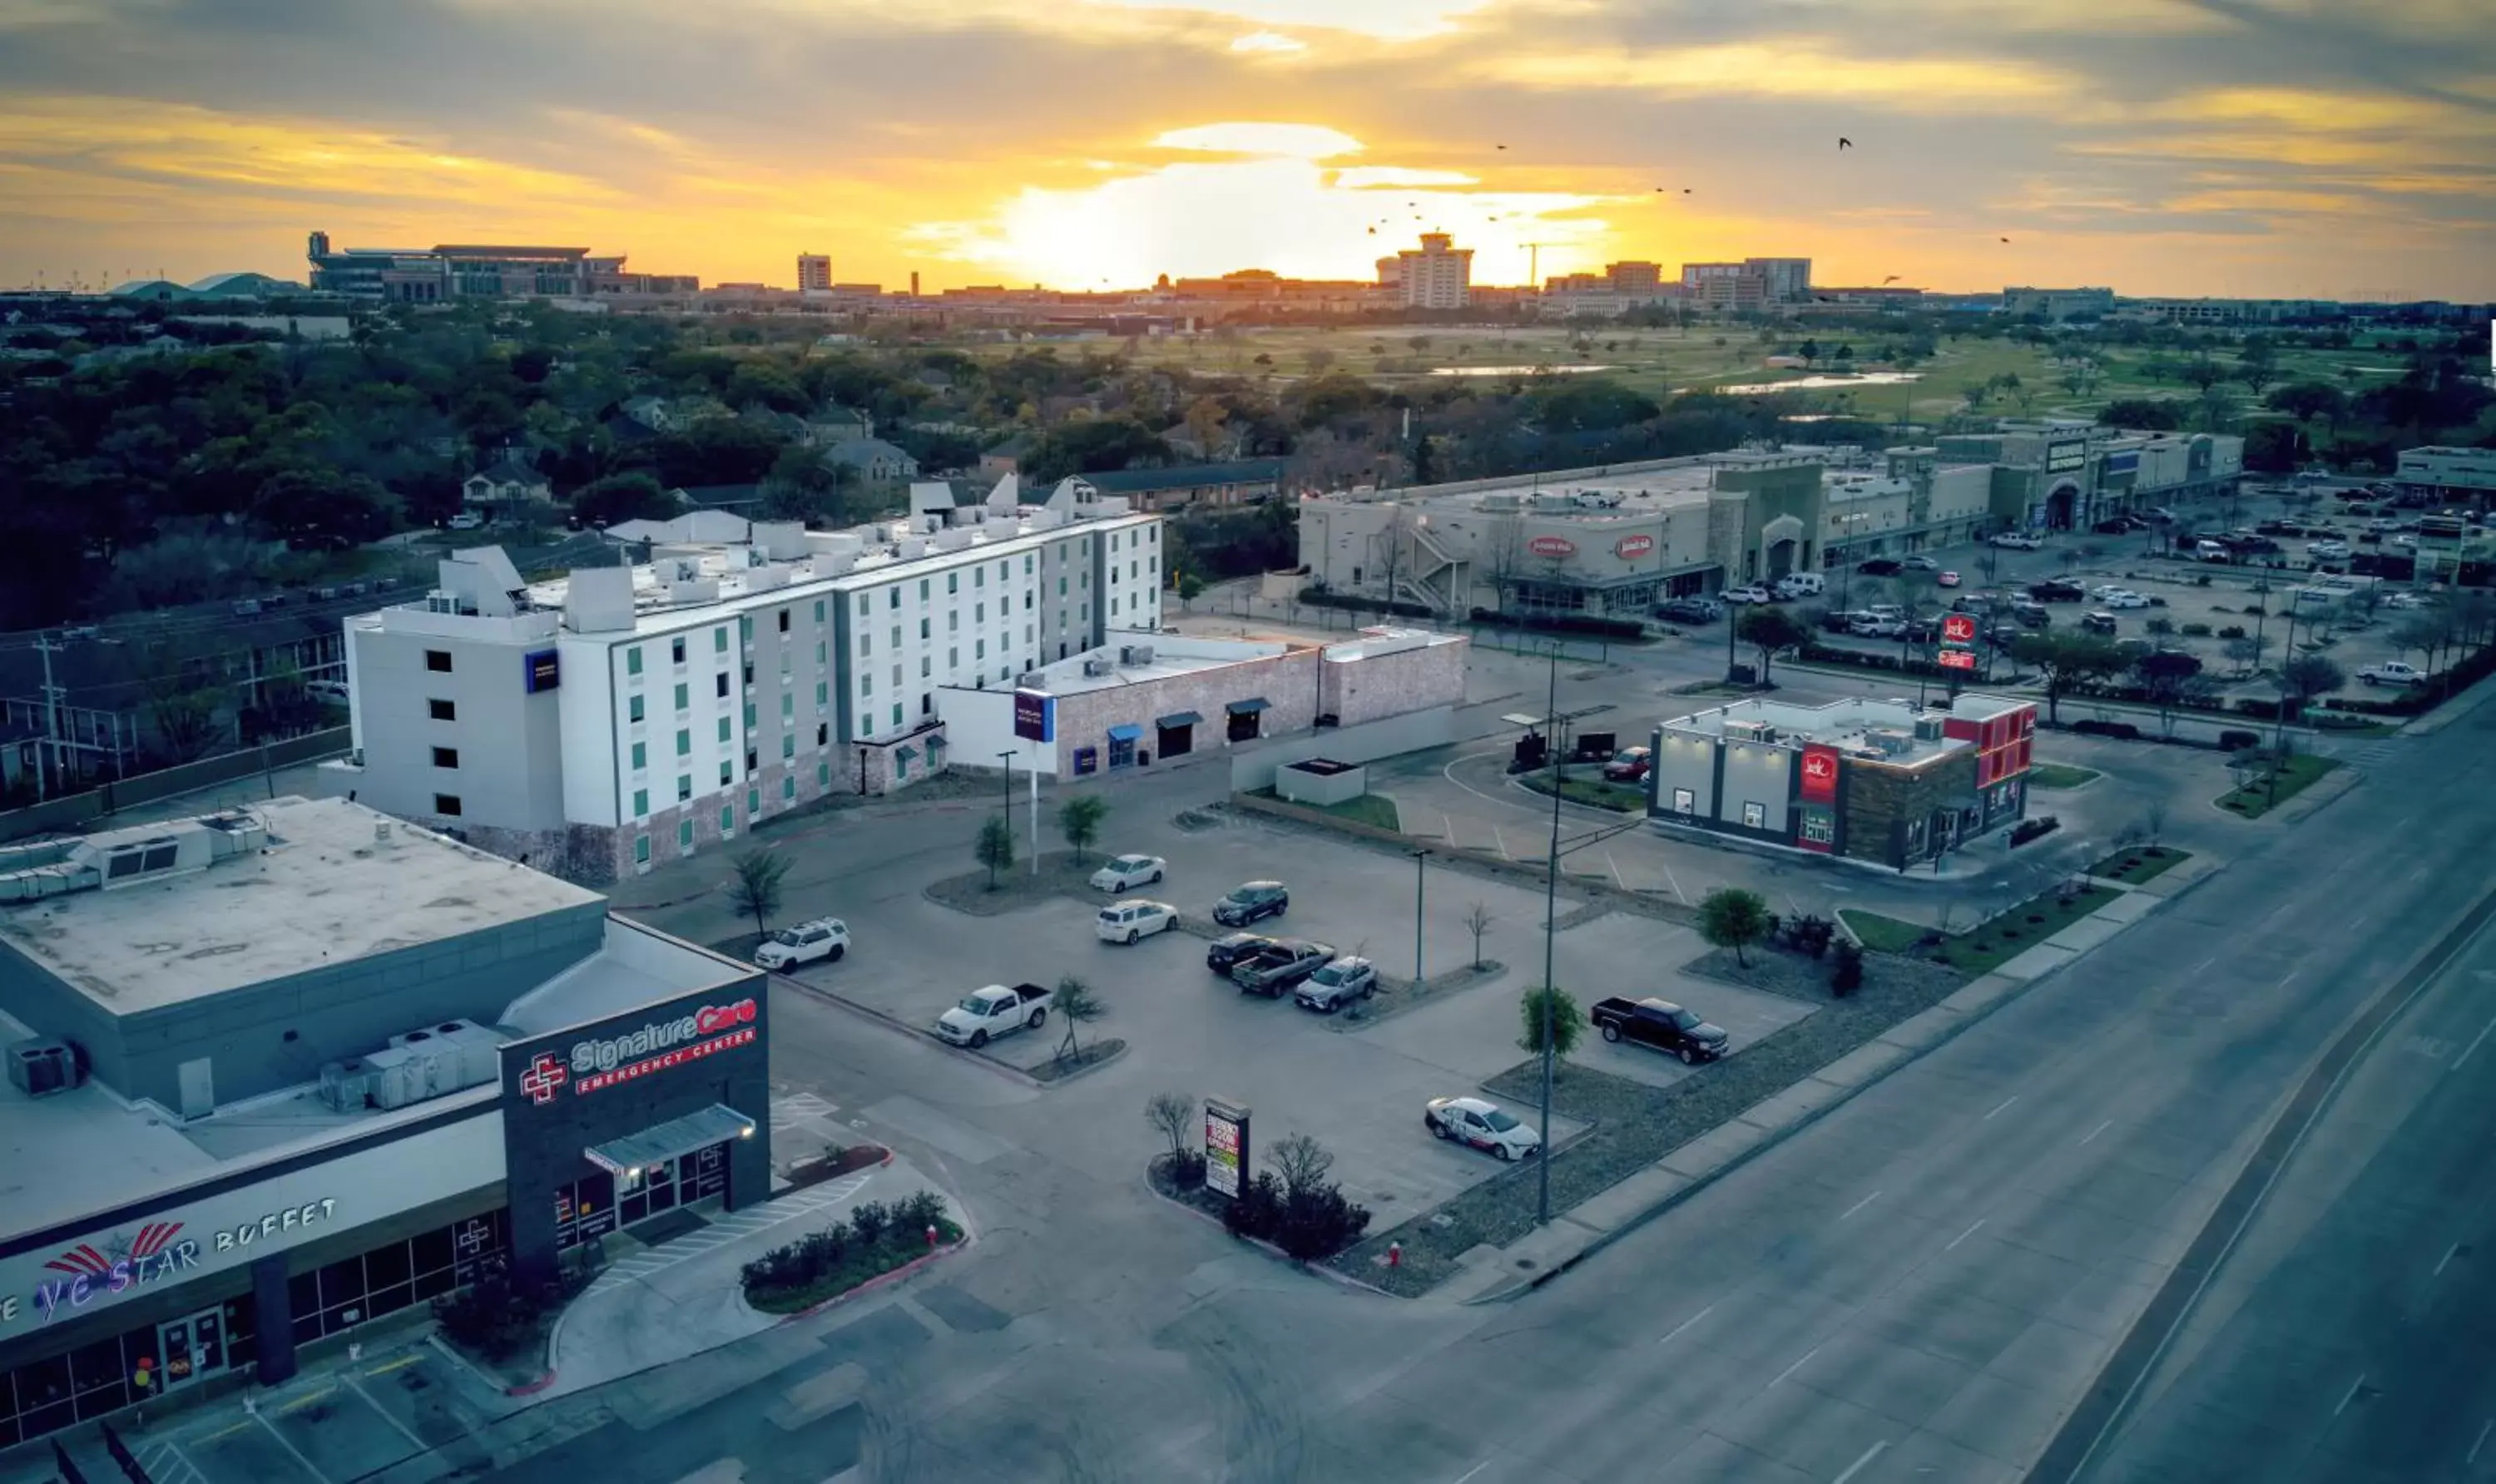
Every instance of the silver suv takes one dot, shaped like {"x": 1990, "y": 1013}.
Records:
{"x": 1338, "y": 984}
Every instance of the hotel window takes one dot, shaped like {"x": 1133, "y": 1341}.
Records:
{"x": 823, "y": 775}
{"x": 892, "y": 596}
{"x": 979, "y": 612}
{"x": 923, "y": 590}
{"x": 953, "y": 621}
{"x": 897, "y": 678}
{"x": 719, "y": 685}
{"x": 685, "y": 697}
{"x": 784, "y": 620}
{"x": 819, "y": 610}
{"x": 788, "y": 789}
{"x": 823, "y": 733}
{"x": 922, "y": 629}
{"x": 862, "y": 601}
{"x": 684, "y": 787}
{"x": 632, "y": 709}
{"x": 824, "y": 692}
{"x": 1061, "y": 585}
{"x": 867, "y": 642}
{"x": 822, "y": 656}
{"x": 953, "y": 582}
{"x": 788, "y": 705}
{"x": 896, "y": 713}
{"x": 676, "y": 650}
{"x": 788, "y": 745}
{"x": 866, "y": 685}
{"x": 727, "y": 772}
{"x": 684, "y": 742}
{"x": 685, "y": 836}
{"x": 725, "y": 727}
{"x": 753, "y": 802}
{"x": 979, "y": 577}
{"x": 640, "y": 802}
{"x": 749, "y": 715}
{"x": 641, "y": 850}
{"x": 632, "y": 660}
{"x": 640, "y": 755}
{"x": 1026, "y": 564}
{"x": 745, "y": 626}
{"x": 1004, "y": 570}
{"x": 896, "y": 635}
{"x": 952, "y": 659}
{"x": 447, "y": 804}
{"x": 445, "y": 711}
{"x": 446, "y": 757}
{"x": 719, "y": 638}
{"x": 438, "y": 661}
{"x": 925, "y": 667}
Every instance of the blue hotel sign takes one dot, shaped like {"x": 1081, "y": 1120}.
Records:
{"x": 1035, "y": 716}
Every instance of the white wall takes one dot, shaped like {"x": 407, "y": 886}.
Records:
{"x": 979, "y": 724}
{"x": 593, "y": 728}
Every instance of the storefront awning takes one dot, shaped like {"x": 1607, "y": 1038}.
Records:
{"x": 1125, "y": 734}
{"x": 1178, "y": 719}
{"x": 635, "y": 1153}
{"x": 906, "y": 751}
{"x": 1252, "y": 704}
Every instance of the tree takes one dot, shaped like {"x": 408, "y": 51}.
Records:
{"x": 1767, "y": 629}
{"x": 1079, "y": 818}
{"x": 1733, "y": 917}
{"x": 1846, "y": 974}
{"x": 1477, "y": 920}
{"x": 2421, "y": 633}
{"x": 621, "y": 497}
{"x": 2066, "y": 659}
{"x": 2153, "y": 821}
{"x": 185, "y": 717}
{"x": 1562, "y": 1012}
{"x": 2303, "y": 678}
{"x": 1809, "y": 350}
{"x": 2256, "y": 363}
{"x": 2307, "y": 401}
{"x": 1190, "y": 588}
{"x": 996, "y": 848}
{"x": 2201, "y": 373}
{"x": 1301, "y": 1162}
{"x": 2245, "y": 653}
{"x": 1076, "y": 1005}
{"x": 1174, "y": 1118}
{"x": 755, "y": 890}
{"x": 2167, "y": 676}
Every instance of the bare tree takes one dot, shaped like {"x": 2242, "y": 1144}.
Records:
{"x": 1300, "y": 1161}
{"x": 1477, "y": 920}
{"x": 2153, "y": 820}
{"x": 1504, "y": 558}
{"x": 1173, "y": 1117}
{"x": 1077, "y": 1004}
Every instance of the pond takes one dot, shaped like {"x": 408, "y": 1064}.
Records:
{"x": 1823, "y": 383}
{"x": 1516, "y": 370}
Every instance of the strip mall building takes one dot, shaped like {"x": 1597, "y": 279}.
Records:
{"x": 1881, "y": 780}
{"x": 278, "y": 1073}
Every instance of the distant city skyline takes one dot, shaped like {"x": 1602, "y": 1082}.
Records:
{"x": 2170, "y": 147}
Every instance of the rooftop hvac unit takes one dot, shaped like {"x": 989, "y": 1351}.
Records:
{"x": 346, "y": 1085}
{"x": 1890, "y": 741}
{"x": 1928, "y": 729}
{"x": 397, "y": 1076}
{"x": 45, "y": 1065}
{"x": 1747, "y": 731}
{"x": 1134, "y": 654}
{"x": 1031, "y": 680}
{"x": 1096, "y": 668}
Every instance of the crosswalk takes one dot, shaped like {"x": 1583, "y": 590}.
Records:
{"x": 2374, "y": 753}
{"x": 797, "y": 1109}
{"x": 734, "y": 1225}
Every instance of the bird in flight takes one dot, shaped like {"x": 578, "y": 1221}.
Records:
{"x": 1892, "y": 279}
{"x": 2005, "y": 239}
{"x": 1843, "y": 142}
{"x": 1503, "y": 146}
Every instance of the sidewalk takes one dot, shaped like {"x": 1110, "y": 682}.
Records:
{"x": 681, "y": 1297}
{"x": 1492, "y": 1275}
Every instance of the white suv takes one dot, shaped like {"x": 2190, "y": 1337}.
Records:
{"x": 1134, "y": 918}
{"x": 824, "y": 938}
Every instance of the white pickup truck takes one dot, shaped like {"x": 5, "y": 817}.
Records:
{"x": 2392, "y": 673}
{"x": 999, "y": 1010}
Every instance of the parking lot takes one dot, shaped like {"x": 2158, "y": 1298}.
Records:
{"x": 1357, "y": 1087}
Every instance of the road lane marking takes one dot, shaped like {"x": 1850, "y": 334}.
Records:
{"x": 1670, "y": 880}
{"x": 418, "y": 1442}
{"x": 301, "y": 1402}
{"x": 1685, "y": 1323}
{"x": 2480, "y": 1443}
{"x": 1998, "y": 1107}
{"x": 2448, "y": 1258}
{"x": 1617, "y": 871}
{"x": 1475, "y": 1469}
{"x": 1796, "y": 1366}
{"x": 2205, "y": 964}
{"x": 293, "y": 1451}
{"x": 1861, "y": 1204}
{"x": 1501, "y": 842}
{"x": 386, "y": 1366}
{"x": 2352, "y": 1396}
{"x": 2473, "y": 1044}
{"x": 1869, "y": 1454}
{"x": 1964, "y": 1235}
{"x": 2100, "y": 1128}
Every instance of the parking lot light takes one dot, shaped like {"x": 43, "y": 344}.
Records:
{"x": 1420, "y": 861}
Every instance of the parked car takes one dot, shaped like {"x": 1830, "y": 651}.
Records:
{"x": 2031, "y": 615}
{"x": 1223, "y": 952}
{"x": 1271, "y": 971}
{"x": 2327, "y": 551}
{"x": 2118, "y": 525}
{"x": 1801, "y": 584}
{"x": 465, "y": 520}
{"x": 1878, "y": 566}
{"x": 824, "y": 938}
{"x": 1483, "y": 1125}
{"x": 1920, "y": 563}
{"x": 1134, "y": 918}
{"x": 1126, "y": 873}
{"x": 1921, "y": 631}
{"x": 997, "y": 1009}
{"x": 2392, "y": 673}
{"x": 329, "y": 693}
{"x": 1251, "y": 901}
{"x": 2407, "y": 600}
{"x": 1873, "y": 626}
{"x": 2017, "y": 540}
{"x": 2099, "y": 623}
{"x": 1663, "y": 1025}
{"x": 2126, "y": 599}
{"x": 1338, "y": 983}
{"x": 1841, "y": 620}
{"x": 2056, "y": 590}
{"x": 1629, "y": 764}
{"x": 1946, "y": 579}
{"x": 1691, "y": 610}
{"x": 1749, "y": 592}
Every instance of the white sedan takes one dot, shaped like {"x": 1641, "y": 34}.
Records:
{"x": 2125, "y": 600}
{"x": 1126, "y": 873}
{"x": 824, "y": 938}
{"x": 1481, "y": 1124}
{"x": 1919, "y": 564}
{"x": 2107, "y": 590}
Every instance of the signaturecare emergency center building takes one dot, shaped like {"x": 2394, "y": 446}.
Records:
{"x": 1887, "y": 782}
{"x": 277, "y": 1073}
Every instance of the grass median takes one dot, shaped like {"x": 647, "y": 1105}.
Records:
{"x": 2058, "y": 775}
{"x": 1988, "y": 946}
{"x": 2300, "y": 772}
{"x": 2139, "y": 864}
{"x": 1590, "y": 788}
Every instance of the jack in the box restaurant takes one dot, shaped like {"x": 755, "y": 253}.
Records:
{"x": 1884, "y": 781}
{"x": 277, "y": 1073}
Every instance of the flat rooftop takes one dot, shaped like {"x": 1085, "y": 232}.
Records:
{"x": 1174, "y": 654}
{"x": 336, "y": 882}
{"x": 86, "y": 1150}
{"x": 1847, "y": 725}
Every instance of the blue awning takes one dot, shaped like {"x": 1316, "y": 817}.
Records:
{"x": 1125, "y": 734}
{"x": 1252, "y": 704}
{"x": 1178, "y": 719}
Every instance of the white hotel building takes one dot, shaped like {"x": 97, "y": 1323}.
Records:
{"x": 598, "y": 724}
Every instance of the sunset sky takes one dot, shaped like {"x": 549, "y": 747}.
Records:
{"x": 2246, "y": 147}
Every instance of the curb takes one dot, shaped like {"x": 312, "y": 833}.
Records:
{"x": 879, "y": 1280}
{"x": 1086, "y": 1069}
{"x": 1781, "y": 1134}
{"x": 1313, "y": 1269}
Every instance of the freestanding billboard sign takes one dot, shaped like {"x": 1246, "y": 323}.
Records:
{"x": 1225, "y": 1147}
{"x": 1957, "y": 659}
{"x": 1958, "y": 628}
{"x": 1035, "y": 716}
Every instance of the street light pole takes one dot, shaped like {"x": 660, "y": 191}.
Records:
{"x": 1550, "y": 932}
{"x": 1419, "y": 869}
{"x": 1006, "y": 814}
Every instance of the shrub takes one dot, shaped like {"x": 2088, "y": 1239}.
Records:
{"x": 2195, "y": 631}
{"x": 2233, "y": 739}
{"x": 2232, "y": 632}
{"x": 1318, "y": 1223}
{"x": 869, "y": 1221}
{"x": 1187, "y": 1169}
{"x": 2029, "y": 830}
{"x": 1807, "y": 934}
{"x": 2121, "y": 730}
{"x": 2258, "y": 706}
{"x": 1258, "y": 1209}
{"x": 911, "y": 1218}
{"x": 1846, "y": 974}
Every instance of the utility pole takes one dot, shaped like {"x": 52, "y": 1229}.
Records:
{"x": 47, "y": 755}
{"x": 1550, "y": 933}
{"x": 1421, "y": 867}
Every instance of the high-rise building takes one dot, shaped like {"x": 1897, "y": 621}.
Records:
{"x": 1787, "y": 279}
{"x": 449, "y": 271}
{"x": 1437, "y": 275}
{"x": 1635, "y": 280}
{"x": 814, "y": 273}
{"x": 1754, "y": 282}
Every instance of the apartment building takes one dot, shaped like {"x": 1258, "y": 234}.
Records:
{"x": 814, "y": 273}
{"x": 1436, "y": 275}
{"x": 1754, "y": 282}
{"x": 602, "y": 722}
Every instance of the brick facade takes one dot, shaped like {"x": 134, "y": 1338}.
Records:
{"x": 1287, "y": 682}
{"x": 1888, "y": 813}
{"x": 1408, "y": 680}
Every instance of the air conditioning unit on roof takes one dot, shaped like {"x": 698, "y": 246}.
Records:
{"x": 1096, "y": 668}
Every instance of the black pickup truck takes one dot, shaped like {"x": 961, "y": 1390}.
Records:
{"x": 1663, "y": 1025}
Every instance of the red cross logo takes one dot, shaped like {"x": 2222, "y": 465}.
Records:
{"x": 543, "y": 1076}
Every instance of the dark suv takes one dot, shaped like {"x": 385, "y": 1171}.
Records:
{"x": 1223, "y": 952}
{"x": 1250, "y": 902}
